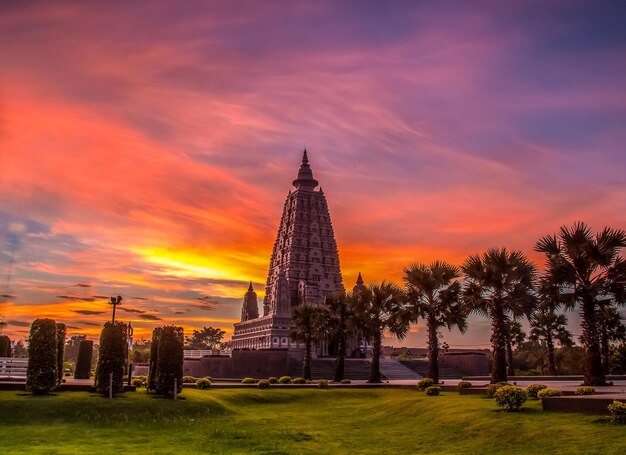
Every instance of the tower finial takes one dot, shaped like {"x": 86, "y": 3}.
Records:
{"x": 305, "y": 178}
{"x": 250, "y": 288}
{"x": 359, "y": 280}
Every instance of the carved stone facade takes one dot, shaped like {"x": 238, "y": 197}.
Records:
{"x": 304, "y": 267}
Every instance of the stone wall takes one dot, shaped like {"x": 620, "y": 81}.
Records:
{"x": 470, "y": 364}
{"x": 243, "y": 363}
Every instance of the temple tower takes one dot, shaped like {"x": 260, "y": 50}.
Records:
{"x": 250, "y": 307}
{"x": 304, "y": 266}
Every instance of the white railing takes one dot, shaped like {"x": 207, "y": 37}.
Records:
{"x": 13, "y": 367}
{"x": 199, "y": 353}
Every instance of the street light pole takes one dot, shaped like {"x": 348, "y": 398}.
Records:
{"x": 115, "y": 302}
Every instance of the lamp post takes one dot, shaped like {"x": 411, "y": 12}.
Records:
{"x": 115, "y": 302}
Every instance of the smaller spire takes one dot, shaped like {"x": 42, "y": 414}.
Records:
{"x": 250, "y": 288}
{"x": 359, "y": 280}
{"x": 305, "y": 159}
{"x": 305, "y": 178}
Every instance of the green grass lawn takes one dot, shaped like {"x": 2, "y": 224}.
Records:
{"x": 351, "y": 421}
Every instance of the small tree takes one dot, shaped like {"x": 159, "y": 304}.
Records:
{"x": 42, "y": 375}
{"x": 83, "y": 364}
{"x": 305, "y": 328}
{"x": 113, "y": 352}
{"x": 170, "y": 361}
{"x": 207, "y": 338}
{"x": 337, "y": 324}
{"x": 154, "y": 353}
{"x": 515, "y": 336}
{"x": 5, "y": 346}
{"x": 60, "y": 351}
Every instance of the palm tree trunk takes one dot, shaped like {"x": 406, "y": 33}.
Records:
{"x": 341, "y": 355}
{"x": 594, "y": 374}
{"x": 509, "y": 357}
{"x": 433, "y": 351}
{"x": 375, "y": 366}
{"x": 498, "y": 343}
{"x": 307, "y": 359}
{"x": 604, "y": 342}
{"x": 550, "y": 356}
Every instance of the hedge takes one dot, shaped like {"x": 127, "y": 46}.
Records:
{"x": 83, "y": 363}
{"x": 112, "y": 357}
{"x": 154, "y": 351}
{"x": 5, "y": 346}
{"x": 60, "y": 351}
{"x": 41, "y": 374}
{"x": 170, "y": 361}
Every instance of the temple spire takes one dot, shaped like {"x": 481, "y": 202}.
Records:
{"x": 250, "y": 287}
{"x": 305, "y": 178}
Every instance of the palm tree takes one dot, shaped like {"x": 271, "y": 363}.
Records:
{"x": 587, "y": 268}
{"x": 337, "y": 324}
{"x": 378, "y": 308}
{"x": 611, "y": 329}
{"x": 515, "y": 337}
{"x": 499, "y": 285}
{"x": 548, "y": 327}
{"x": 305, "y": 328}
{"x": 434, "y": 295}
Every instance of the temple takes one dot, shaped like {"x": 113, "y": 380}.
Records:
{"x": 304, "y": 267}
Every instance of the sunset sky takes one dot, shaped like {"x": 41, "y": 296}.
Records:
{"x": 146, "y": 148}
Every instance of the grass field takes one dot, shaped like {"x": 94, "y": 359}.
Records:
{"x": 351, "y": 421}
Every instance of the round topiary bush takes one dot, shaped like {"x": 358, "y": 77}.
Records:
{"x": 298, "y": 381}
{"x": 549, "y": 392}
{"x": 322, "y": 383}
{"x": 272, "y": 380}
{"x": 617, "y": 409}
{"x": 492, "y": 388}
{"x": 533, "y": 389}
{"x": 5, "y": 346}
{"x": 433, "y": 391}
{"x": 464, "y": 385}
{"x": 248, "y": 381}
{"x": 203, "y": 383}
{"x": 137, "y": 382}
{"x": 346, "y": 381}
{"x": 424, "y": 383}
{"x": 308, "y": 381}
{"x": 585, "y": 390}
{"x": 510, "y": 398}
{"x": 285, "y": 380}
{"x": 189, "y": 379}
{"x": 264, "y": 384}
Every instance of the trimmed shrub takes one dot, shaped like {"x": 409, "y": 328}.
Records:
{"x": 308, "y": 381}
{"x": 285, "y": 380}
{"x": 510, "y": 398}
{"x": 137, "y": 382}
{"x": 170, "y": 361}
{"x": 154, "y": 353}
{"x": 464, "y": 385}
{"x": 5, "y": 346}
{"x": 209, "y": 378}
{"x": 585, "y": 390}
{"x": 112, "y": 357}
{"x": 264, "y": 384}
{"x": 346, "y": 381}
{"x": 322, "y": 383}
{"x": 492, "y": 388}
{"x": 424, "y": 383}
{"x": 299, "y": 381}
{"x": 42, "y": 372}
{"x": 533, "y": 389}
{"x": 433, "y": 391}
{"x": 189, "y": 380}
{"x": 203, "y": 383}
{"x": 617, "y": 409}
{"x": 60, "y": 351}
{"x": 83, "y": 363}
{"x": 248, "y": 381}
{"x": 549, "y": 392}
{"x": 272, "y": 380}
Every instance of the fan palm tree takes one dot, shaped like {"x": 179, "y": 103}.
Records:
{"x": 587, "y": 268}
{"x": 611, "y": 329}
{"x": 499, "y": 285}
{"x": 338, "y": 324}
{"x": 515, "y": 337}
{"x": 378, "y": 308}
{"x": 433, "y": 293}
{"x": 548, "y": 327}
{"x": 306, "y": 328}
